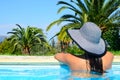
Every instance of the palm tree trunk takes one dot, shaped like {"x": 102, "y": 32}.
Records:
{"x": 64, "y": 46}
{"x": 26, "y": 51}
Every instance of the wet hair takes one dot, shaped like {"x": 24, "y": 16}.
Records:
{"x": 95, "y": 63}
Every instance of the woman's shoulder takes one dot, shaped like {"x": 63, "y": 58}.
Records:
{"x": 74, "y": 59}
{"x": 72, "y": 56}
{"x": 107, "y": 60}
{"x": 108, "y": 54}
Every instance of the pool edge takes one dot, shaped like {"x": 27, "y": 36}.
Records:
{"x": 36, "y": 60}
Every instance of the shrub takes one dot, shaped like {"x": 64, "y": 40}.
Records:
{"x": 74, "y": 49}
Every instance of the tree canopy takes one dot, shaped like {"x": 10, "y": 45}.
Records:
{"x": 26, "y": 38}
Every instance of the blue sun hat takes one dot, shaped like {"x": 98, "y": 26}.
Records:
{"x": 88, "y": 38}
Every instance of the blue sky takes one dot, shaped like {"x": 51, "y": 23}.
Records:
{"x": 38, "y": 13}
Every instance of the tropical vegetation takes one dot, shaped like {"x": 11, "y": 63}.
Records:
{"x": 26, "y": 38}
{"x": 32, "y": 40}
{"x": 105, "y": 13}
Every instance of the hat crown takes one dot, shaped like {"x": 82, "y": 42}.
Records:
{"x": 91, "y": 32}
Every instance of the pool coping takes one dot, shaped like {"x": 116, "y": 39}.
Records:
{"x": 26, "y": 60}
{"x": 36, "y": 60}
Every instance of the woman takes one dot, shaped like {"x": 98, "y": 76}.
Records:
{"x": 96, "y": 57}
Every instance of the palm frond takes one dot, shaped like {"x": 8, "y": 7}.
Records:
{"x": 61, "y": 9}
{"x": 65, "y": 3}
{"x": 110, "y": 7}
{"x": 54, "y": 36}
{"x": 68, "y": 16}
{"x": 115, "y": 14}
{"x": 54, "y": 23}
{"x": 82, "y": 7}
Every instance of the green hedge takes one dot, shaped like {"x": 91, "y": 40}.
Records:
{"x": 116, "y": 52}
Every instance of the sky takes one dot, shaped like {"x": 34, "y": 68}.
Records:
{"x": 38, "y": 13}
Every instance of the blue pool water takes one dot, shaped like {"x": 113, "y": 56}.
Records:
{"x": 50, "y": 72}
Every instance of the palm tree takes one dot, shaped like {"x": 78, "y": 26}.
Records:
{"x": 102, "y": 12}
{"x": 105, "y": 13}
{"x": 26, "y": 38}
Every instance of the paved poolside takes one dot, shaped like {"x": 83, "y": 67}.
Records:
{"x": 35, "y": 59}
{"x": 27, "y": 59}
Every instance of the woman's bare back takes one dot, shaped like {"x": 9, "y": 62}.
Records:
{"x": 80, "y": 63}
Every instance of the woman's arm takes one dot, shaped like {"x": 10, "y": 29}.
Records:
{"x": 61, "y": 57}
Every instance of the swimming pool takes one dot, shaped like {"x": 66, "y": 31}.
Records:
{"x": 50, "y": 72}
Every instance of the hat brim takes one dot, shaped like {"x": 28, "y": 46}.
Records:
{"x": 93, "y": 48}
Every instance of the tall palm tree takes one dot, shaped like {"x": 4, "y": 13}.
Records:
{"x": 26, "y": 38}
{"x": 104, "y": 13}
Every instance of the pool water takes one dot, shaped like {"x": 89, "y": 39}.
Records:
{"x": 50, "y": 72}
